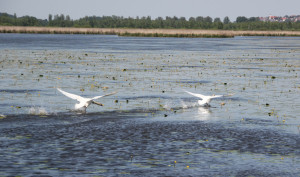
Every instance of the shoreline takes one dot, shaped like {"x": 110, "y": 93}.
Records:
{"x": 188, "y": 33}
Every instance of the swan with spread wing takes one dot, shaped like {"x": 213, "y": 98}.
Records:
{"x": 205, "y": 100}
{"x": 84, "y": 102}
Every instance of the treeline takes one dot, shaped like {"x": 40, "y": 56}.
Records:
{"x": 13, "y": 20}
{"x": 241, "y": 23}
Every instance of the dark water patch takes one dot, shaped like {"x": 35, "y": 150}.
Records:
{"x": 221, "y": 138}
{"x": 187, "y": 81}
{"x": 259, "y": 122}
{"x": 183, "y": 66}
{"x": 139, "y": 69}
{"x": 148, "y": 97}
{"x": 270, "y": 76}
{"x": 72, "y": 115}
{"x": 232, "y": 98}
{"x": 103, "y": 142}
{"x": 255, "y": 120}
{"x": 133, "y": 113}
{"x": 246, "y": 68}
{"x": 193, "y": 81}
{"x": 19, "y": 90}
{"x": 81, "y": 74}
{"x": 47, "y": 64}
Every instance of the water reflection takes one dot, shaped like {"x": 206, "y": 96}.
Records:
{"x": 203, "y": 113}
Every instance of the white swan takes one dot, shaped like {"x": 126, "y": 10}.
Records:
{"x": 83, "y": 102}
{"x": 205, "y": 100}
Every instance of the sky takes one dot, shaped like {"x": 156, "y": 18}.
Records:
{"x": 154, "y": 8}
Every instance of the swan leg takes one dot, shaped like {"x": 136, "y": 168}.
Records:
{"x": 206, "y": 105}
{"x": 97, "y": 103}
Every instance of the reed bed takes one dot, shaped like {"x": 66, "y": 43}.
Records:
{"x": 191, "y": 33}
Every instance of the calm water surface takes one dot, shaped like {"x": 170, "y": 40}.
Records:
{"x": 151, "y": 126}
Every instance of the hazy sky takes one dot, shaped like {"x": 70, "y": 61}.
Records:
{"x": 154, "y": 8}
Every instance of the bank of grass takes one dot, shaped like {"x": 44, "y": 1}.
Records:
{"x": 186, "y": 33}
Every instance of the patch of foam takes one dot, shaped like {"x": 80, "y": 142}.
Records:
{"x": 37, "y": 111}
{"x": 2, "y": 116}
{"x": 167, "y": 107}
{"x": 185, "y": 105}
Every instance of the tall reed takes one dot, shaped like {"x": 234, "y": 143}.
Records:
{"x": 187, "y": 33}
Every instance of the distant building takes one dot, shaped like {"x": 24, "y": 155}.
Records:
{"x": 264, "y": 19}
{"x": 271, "y": 18}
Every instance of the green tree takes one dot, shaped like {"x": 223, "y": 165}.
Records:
{"x": 158, "y": 22}
{"x": 182, "y": 23}
{"x": 226, "y": 20}
{"x": 207, "y": 22}
{"x": 49, "y": 17}
{"x": 192, "y": 22}
{"x": 253, "y": 19}
{"x": 241, "y": 19}
{"x": 28, "y": 21}
{"x": 218, "y": 23}
{"x": 208, "y": 19}
{"x": 217, "y": 20}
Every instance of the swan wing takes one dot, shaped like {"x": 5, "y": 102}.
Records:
{"x": 72, "y": 96}
{"x": 97, "y": 97}
{"x": 196, "y": 95}
{"x": 216, "y": 96}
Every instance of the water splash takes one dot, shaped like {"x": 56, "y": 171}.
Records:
{"x": 37, "y": 111}
{"x": 188, "y": 105}
{"x": 2, "y": 116}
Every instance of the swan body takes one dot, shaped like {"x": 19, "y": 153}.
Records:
{"x": 83, "y": 102}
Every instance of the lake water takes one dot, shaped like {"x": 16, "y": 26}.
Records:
{"x": 151, "y": 126}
